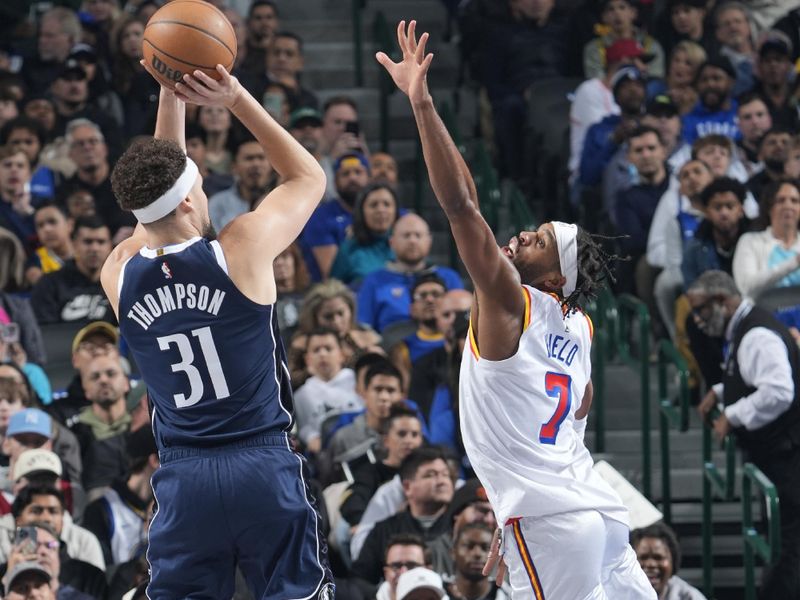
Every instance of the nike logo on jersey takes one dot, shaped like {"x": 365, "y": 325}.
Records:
{"x": 561, "y": 348}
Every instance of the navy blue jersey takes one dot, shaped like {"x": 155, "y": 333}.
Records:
{"x": 212, "y": 358}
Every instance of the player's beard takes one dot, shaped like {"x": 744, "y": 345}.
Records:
{"x": 209, "y": 232}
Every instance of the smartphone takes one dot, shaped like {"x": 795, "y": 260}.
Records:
{"x": 9, "y": 333}
{"x": 26, "y": 539}
{"x": 352, "y": 127}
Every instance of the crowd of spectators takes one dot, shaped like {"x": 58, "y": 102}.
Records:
{"x": 684, "y": 141}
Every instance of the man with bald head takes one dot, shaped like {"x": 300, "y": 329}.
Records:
{"x": 385, "y": 295}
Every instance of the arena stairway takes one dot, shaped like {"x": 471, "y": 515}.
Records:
{"x": 623, "y": 449}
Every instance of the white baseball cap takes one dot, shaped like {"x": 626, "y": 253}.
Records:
{"x": 418, "y": 579}
{"x": 37, "y": 460}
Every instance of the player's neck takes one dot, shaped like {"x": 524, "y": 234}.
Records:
{"x": 176, "y": 232}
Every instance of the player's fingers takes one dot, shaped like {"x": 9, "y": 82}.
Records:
{"x": 401, "y": 37}
{"x": 192, "y": 83}
{"x": 187, "y": 94}
{"x": 426, "y": 64}
{"x": 412, "y": 37}
{"x": 383, "y": 59}
{"x": 501, "y": 574}
{"x": 419, "y": 53}
{"x": 209, "y": 82}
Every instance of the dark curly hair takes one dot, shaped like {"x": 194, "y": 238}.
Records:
{"x": 148, "y": 168}
{"x": 663, "y": 532}
{"x": 594, "y": 268}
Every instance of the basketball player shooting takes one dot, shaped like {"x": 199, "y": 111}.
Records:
{"x": 525, "y": 386}
{"x": 198, "y": 314}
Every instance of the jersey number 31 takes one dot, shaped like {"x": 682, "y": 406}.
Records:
{"x": 186, "y": 365}
{"x": 558, "y": 386}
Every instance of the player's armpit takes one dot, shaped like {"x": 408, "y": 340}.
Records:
{"x": 109, "y": 274}
{"x": 586, "y": 403}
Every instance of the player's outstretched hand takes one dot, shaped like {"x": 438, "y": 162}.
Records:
{"x": 199, "y": 88}
{"x": 495, "y": 558}
{"x": 410, "y": 74}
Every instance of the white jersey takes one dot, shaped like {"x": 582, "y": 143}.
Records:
{"x": 518, "y": 418}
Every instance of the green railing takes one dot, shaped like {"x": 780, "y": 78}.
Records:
{"x": 670, "y": 415}
{"x": 754, "y": 543}
{"x": 714, "y": 483}
{"x": 382, "y": 38}
{"x": 631, "y": 309}
{"x": 357, "y": 6}
{"x": 487, "y": 184}
{"x": 521, "y": 216}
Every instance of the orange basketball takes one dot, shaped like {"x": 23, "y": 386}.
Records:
{"x": 186, "y": 35}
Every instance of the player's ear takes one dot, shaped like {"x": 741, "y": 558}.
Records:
{"x": 555, "y": 283}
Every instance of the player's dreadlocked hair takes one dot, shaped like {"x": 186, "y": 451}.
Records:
{"x": 594, "y": 268}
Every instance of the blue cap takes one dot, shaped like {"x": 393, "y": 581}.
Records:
{"x": 348, "y": 158}
{"x": 628, "y": 73}
{"x": 30, "y": 420}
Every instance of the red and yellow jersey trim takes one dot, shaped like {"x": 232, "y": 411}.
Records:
{"x": 526, "y": 321}
{"x": 591, "y": 326}
{"x": 533, "y": 576}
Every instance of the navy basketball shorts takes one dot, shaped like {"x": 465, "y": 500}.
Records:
{"x": 245, "y": 504}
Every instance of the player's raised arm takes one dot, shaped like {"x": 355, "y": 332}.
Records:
{"x": 284, "y": 212}
{"x": 494, "y": 276}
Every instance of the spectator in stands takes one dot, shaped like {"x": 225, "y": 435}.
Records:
{"x": 383, "y": 388}
{"x": 98, "y": 338}
{"x": 758, "y": 402}
{"x": 330, "y": 390}
{"x": 677, "y": 217}
{"x": 134, "y": 86}
{"x": 715, "y": 112}
{"x": 773, "y": 150}
{"x": 53, "y": 230}
{"x": 28, "y": 428}
{"x": 471, "y": 547}
{"x": 46, "y": 505}
{"x": 41, "y": 109}
{"x": 687, "y": 22}
{"x": 425, "y": 294}
{"x": 428, "y": 488}
{"x": 385, "y": 295}
{"x": 262, "y": 23}
{"x": 240, "y": 29}
{"x": 337, "y": 140}
{"x": 605, "y": 137}
{"x": 531, "y": 46}
{"x": 8, "y": 106}
{"x": 402, "y": 435}
{"x": 41, "y": 467}
{"x": 13, "y": 396}
{"x": 285, "y": 62}
{"x": 101, "y": 95}
{"x": 215, "y": 121}
{"x": 305, "y": 124}
{"x": 118, "y": 517}
{"x": 774, "y": 69}
{"x": 383, "y": 168}
{"x": 619, "y": 23}
{"x": 101, "y": 427}
{"x": 80, "y": 204}
{"x": 717, "y": 151}
{"x": 59, "y": 31}
{"x": 420, "y": 584}
{"x": 73, "y": 293}
{"x": 432, "y": 370}
{"x": 70, "y": 93}
{"x": 34, "y": 572}
{"x": 684, "y": 61}
{"x": 636, "y": 206}
{"x": 404, "y": 551}
{"x": 27, "y": 135}
{"x": 754, "y": 121}
{"x": 792, "y": 166}
{"x": 789, "y": 24}
{"x": 291, "y": 280}
{"x": 771, "y": 257}
{"x": 735, "y": 39}
{"x": 327, "y": 227}
{"x": 659, "y": 555}
{"x": 16, "y": 203}
{"x": 12, "y": 263}
{"x": 89, "y": 152}
{"x": 254, "y": 178}
{"x": 196, "y": 150}
{"x": 333, "y": 306}
{"x": 366, "y": 248}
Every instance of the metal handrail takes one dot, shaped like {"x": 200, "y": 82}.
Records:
{"x": 669, "y": 415}
{"x": 636, "y": 308}
{"x": 714, "y": 483}
{"x": 357, "y": 6}
{"x": 754, "y": 543}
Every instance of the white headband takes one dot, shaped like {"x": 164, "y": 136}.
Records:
{"x": 169, "y": 200}
{"x": 567, "y": 242}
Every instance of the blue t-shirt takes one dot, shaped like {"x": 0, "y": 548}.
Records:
{"x": 326, "y": 227}
{"x": 385, "y": 296}
{"x": 701, "y": 122}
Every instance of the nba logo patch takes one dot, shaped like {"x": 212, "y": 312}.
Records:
{"x": 166, "y": 270}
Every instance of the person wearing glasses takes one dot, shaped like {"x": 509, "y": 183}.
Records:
{"x": 758, "y": 403}
{"x": 405, "y": 551}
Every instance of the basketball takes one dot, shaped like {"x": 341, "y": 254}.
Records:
{"x": 186, "y": 35}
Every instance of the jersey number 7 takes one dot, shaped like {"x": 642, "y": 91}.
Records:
{"x": 558, "y": 386}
